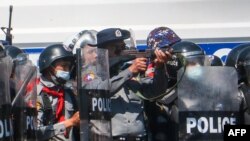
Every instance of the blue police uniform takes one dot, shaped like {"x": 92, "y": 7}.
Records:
{"x": 128, "y": 108}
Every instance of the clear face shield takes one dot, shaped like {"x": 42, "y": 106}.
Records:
{"x": 180, "y": 60}
{"x": 193, "y": 64}
{"x": 197, "y": 60}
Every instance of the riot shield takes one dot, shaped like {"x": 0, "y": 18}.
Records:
{"x": 24, "y": 103}
{"x": 207, "y": 99}
{"x": 93, "y": 91}
{"x": 6, "y": 130}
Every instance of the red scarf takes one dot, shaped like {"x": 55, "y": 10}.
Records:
{"x": 60, "y": 95}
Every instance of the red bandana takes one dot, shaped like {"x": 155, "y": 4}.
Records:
{"x": 60, "y": 95}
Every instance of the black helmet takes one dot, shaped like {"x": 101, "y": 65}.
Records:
{"x": 51, "y": 54}
{"x": 243, "y": 65}
{"x": 233, "y": 55}
{"x": 189, "y": 52}
{"x": 234, "y": 61}
{"x": 13, "y": 51}
{"x": 215, "y": 60}
{"x": 185, "y": 51}
{"x": 187, "y": 48}
{"x": 81, "y": 39}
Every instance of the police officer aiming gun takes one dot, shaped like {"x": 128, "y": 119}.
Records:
{"x": 128, "y": 88}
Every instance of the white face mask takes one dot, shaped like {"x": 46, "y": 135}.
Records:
{"x": 65, "y": 75}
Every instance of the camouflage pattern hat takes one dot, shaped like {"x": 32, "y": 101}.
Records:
{"x": 162, "y": 37}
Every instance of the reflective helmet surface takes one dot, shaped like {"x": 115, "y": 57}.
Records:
{"x": 162, "y": 37}
{"x": 13, "y": 51}
{"x": 187, "y": 48}
{"x": 51, "y": 54}
{"x": 81, "y": 39}
{"x": 233, "y": 55}
{"x": 186, "y": 53}
{"x": 215, "y": 60}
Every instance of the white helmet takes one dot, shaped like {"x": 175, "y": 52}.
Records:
{"x": 80, "y": 40}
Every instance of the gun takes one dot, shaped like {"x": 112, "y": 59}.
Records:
{"x": 9, "y": 28}
{"x": 131, "y": 54}
{"x": 148, "y": 53}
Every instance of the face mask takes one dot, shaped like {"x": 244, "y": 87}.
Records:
{"x": 65, "y": 75}
{"x": 193, "y": 72}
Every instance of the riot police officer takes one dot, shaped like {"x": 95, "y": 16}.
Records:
{"x": 163, "y": 38}
{"x": 233, "y": 55}
{"x": 239, "y": 59}
{"x": 23, "y": 94}
{"x": 13, "y": 52}
{"x": 82, "y": 40}
{"x": 244, "y": 69}
{"x": 190, "y": 55}
{"x": 126, "y": 103}
{"x": 5, "y": 101}
{"x": 56, "y": 105}
{"x": 92, "y": 87}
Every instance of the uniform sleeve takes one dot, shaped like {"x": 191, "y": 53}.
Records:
{"x": 116, "y": 82}
{"x": 48, "y": 131}
{"x": 152, "y": 87}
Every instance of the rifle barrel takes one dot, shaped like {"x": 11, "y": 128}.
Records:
{"x": 11, "y": 9}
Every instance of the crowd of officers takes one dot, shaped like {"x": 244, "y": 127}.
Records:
{"x": 139, "y": 111}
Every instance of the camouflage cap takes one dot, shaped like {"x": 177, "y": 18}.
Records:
{"x": 161, "y": 37}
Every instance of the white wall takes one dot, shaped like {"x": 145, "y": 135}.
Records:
{"x": 56, "y": 20}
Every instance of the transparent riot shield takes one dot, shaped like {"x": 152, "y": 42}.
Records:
{"x": 93, "y": 91}
{"x": 24, "y": 103}
{"x": 207, "y": 99}
{"x": 6, "y": 130}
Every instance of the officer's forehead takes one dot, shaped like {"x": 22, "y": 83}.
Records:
{"x": 62, "y": 61}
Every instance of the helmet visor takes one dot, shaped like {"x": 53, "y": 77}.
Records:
{"x": 131, "y": 41}
{"x": 195, "y": 60}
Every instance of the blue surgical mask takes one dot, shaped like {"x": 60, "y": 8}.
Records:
{"x": 65, "y": 75}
